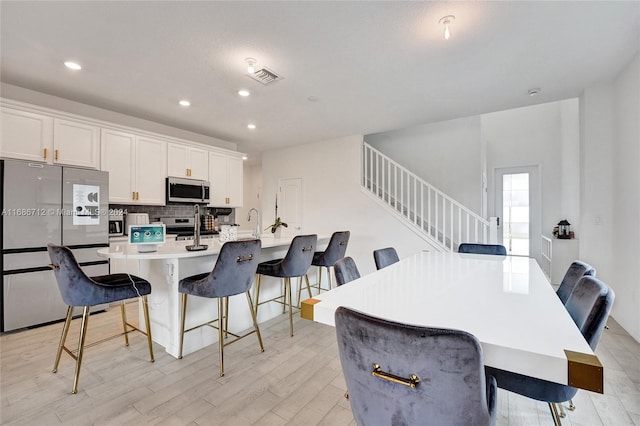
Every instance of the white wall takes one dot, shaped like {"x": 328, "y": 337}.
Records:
{"x": 252, "y": 192}
{"x": 445, "y": 154}
{"x": 626, "y": 198}
{"x": 332, "y": 199}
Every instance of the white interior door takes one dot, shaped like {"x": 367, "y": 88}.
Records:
{"x": 290, "y": 203}
{"x": 517, "y": 195}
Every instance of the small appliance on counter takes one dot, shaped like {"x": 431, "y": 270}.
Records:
{"x": 116, "y": 225}
{"x": 136, "y": 219}
{"x": 183, "y": 228}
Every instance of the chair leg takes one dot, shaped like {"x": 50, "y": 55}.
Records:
{"x": 319, "y": 279}
{"x": 226, "y": 317}
{"x": 182, "y": 322}
{"x": 299, "y": 291}
{"x": 63, "y": 337}
{"x": 287, "y": 285}
{"x": 554, "y": 414}
{"x": 220, "y": 333}
{"x": 255, "y": 322}
{"x": 124, "y": 323}
{"x": 81, "y": 339}
{"x": 257, "y": 292}
{"x": 329, "y": 278}
{"x": 147, "y": 323}
{"x": 284, "y": 292}
{"x": 306, "y": 277}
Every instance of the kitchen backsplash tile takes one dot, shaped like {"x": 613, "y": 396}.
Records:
{"x": 173, "y": 210}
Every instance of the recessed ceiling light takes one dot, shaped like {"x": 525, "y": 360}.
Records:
{"x": 446, "y": 20}
{"x": 251, "y": 126}
{"x": 250, "y": 65}
{"x": 243, "y": 92}
{"x": 534, "y": 91}
{"x": 72, "y": 65}
{"x": 184, "y": 103}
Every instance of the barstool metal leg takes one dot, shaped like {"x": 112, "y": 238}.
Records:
{"x": 63, "y": 337}
{"x": 124, "y": 323}
{"x": 81, "y": 339}
{"x": 220, "y": 341}
{"x": 288, "y": 293}
{"x": 255, "y": 321}
{"x": 257, "y": 292}
{"x": 182, "y": 322}
{"x": 147, "y": 323}
{"x": 319, "y": 279}
{"x": 226, "y": 317}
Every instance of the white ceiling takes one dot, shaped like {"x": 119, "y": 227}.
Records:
{"x": 373, "y": 66}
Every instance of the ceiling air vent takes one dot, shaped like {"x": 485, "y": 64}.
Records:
{"x": 265, "y": 76}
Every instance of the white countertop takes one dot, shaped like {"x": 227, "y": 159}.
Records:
{"x": 177, "y": 250}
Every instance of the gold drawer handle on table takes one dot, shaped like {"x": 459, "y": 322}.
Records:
{"x": 412, "y": 381}
{"x": 244, "y": 259}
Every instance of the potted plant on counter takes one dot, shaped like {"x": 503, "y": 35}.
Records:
{"x": 277, "y": 225}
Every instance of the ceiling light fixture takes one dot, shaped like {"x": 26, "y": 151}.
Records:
{"x": 534, "y": 91}
{"x": 251, "y": 126}
{"x": 250, "y": 63}
{"x": 72, "y": 65}
{"x": 244, "y": 157}
{"x": 446, "y": 20}
{"x": 184, "y": 103}
{"x": 243, "y": 92}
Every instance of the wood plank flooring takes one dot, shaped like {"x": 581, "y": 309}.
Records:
{"x": 296, "y": 381}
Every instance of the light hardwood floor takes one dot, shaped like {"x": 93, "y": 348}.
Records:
{"x": 295, "y": 381}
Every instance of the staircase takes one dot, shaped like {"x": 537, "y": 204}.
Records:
{"x": 436, "y": 217}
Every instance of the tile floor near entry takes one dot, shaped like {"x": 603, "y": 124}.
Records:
{"x": 295, "y": 381}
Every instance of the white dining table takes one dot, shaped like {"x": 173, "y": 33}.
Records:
{"x": 505, "y": 301}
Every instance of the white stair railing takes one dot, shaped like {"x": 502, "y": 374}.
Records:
{"x": 435, "y": 215}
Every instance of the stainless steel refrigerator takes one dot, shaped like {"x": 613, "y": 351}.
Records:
{"x": 44, "y": 204}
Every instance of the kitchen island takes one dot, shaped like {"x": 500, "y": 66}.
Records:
{"x": 171, "y": 262}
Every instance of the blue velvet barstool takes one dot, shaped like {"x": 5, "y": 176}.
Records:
{"x": 232, "y": 274}
{"x": 296, "y": 263}
{"x": 77, "y": 289}
{"x": 335, "y": 250}
{"x": 576, "y": 270}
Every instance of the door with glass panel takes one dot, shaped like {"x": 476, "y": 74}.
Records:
{"x": 518, "y": 206}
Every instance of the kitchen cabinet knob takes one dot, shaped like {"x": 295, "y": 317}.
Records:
{"x": 46, "y": 153}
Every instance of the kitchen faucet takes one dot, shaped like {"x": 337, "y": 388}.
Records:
{"x": 257, "y": 231}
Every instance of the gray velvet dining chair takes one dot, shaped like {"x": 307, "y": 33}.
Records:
{"x": 384, "y": 257}
{"x": 295, "y": 263}
{"x": 79, "y": 290}
{"x": 335, "y": 250}
{"x": 345, "y": 270}
{"x": 400, "y": 374}
{"x": 589, "y": 304}
{"x": 232, "y": 274}
{"x": 496, "y": 249}
{"x": 576, "y": 270}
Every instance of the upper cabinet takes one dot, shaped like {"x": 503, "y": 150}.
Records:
{"x": 36, "y": 137}
{"x": 136, "y": 166}
{"x": 226, "y": 180}
{"x": 187, "y": 161}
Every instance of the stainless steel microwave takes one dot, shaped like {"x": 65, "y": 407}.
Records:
{"x": 181, "y": 190}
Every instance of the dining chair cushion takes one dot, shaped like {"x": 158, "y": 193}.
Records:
{"x": 346, "y": 270}
{"x": 453, "y": 388}
{"x": 78, "y": 289}
{"x": 296, "y": 262}
{"x": 385, "y": 257}
{"x": 576, "y": 270}
{"x": 495, "y": 249}
{"x": 232, "y": 274}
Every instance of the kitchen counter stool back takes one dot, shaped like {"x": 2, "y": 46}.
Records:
{"x": 346, "y": 270}
{"x": 335, "y": 250}
{"x": 232, "y": 274}
{"x": 385, "y": 256}
{"x": 296, "y": 263}
{"x": 77, "y": 289}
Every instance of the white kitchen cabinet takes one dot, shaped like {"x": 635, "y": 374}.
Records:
{"x": 26, "y": 135}
{"x": 226, "y": 180}
{"x": 564, "y": 252}
{"x": 186, "y": 161}
{"x": 76, "y": 143}
{"x": 38, "y": 137}
{"x": 136, "y": 166}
